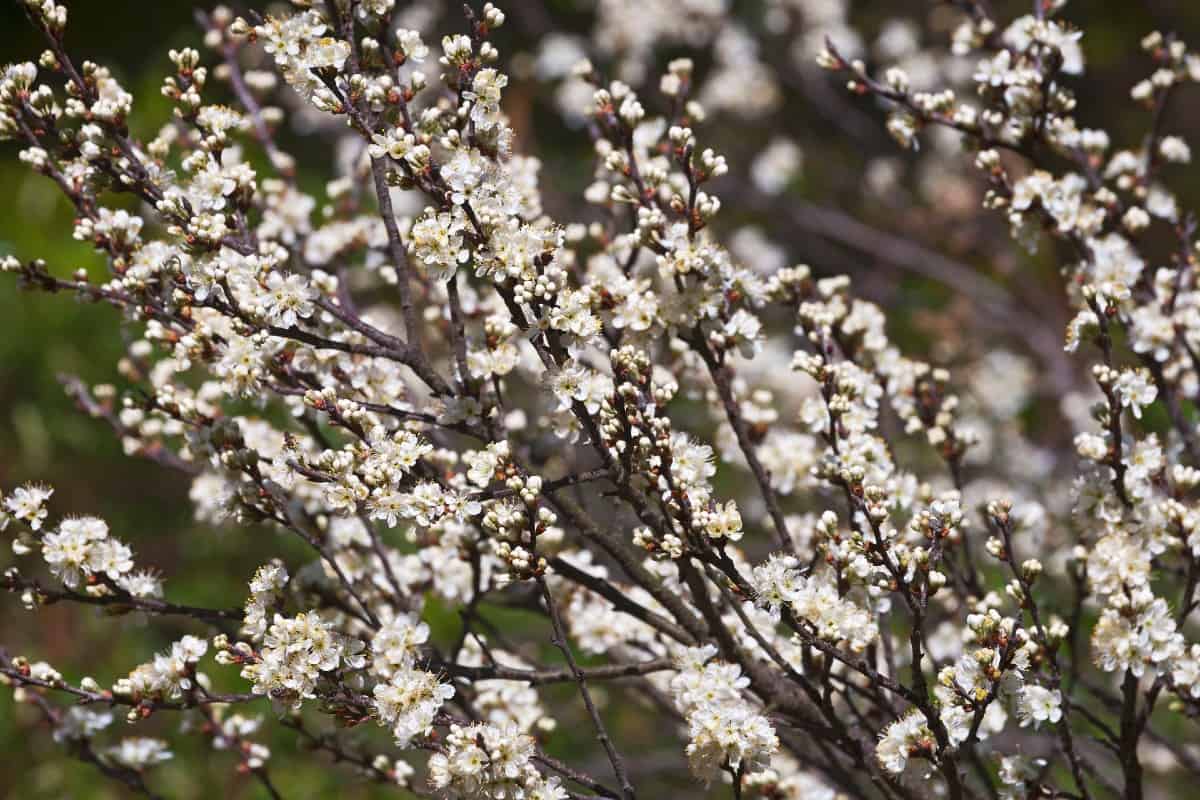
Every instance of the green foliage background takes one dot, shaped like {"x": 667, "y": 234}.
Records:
{"x": 42, "y": 437}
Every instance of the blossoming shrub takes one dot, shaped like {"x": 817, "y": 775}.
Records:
{"x": 813, "y": 584}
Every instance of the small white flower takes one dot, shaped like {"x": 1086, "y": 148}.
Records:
{"x": 1175, "y": 150}
{"x": 288, "y": 299}
{"x": 138, "y": 752}
{"x": 28, "y": 504}
{"x": 1037, "y": 704}
{"x": 1135, "y": 388}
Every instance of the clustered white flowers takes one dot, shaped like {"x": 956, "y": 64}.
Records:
{"x": 852, "y": 578}
{"x": 725, "y": 730}
{"x": 296, "y": 652}
{"x": 407, "y": 698}
{"x": 482, "y": 760}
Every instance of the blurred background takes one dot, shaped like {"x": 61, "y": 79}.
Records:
{"x": 906, "y": 226}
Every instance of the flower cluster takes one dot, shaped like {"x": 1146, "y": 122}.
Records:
{"x": 725, "y": 730}
{"x": 407, "y": 698}
{"x": 169, "y": 675}
{"x": 483, "y": 760}
{"x": 296, "y": 652}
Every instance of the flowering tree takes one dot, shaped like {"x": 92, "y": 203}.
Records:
{"x": 845, "y": 580}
